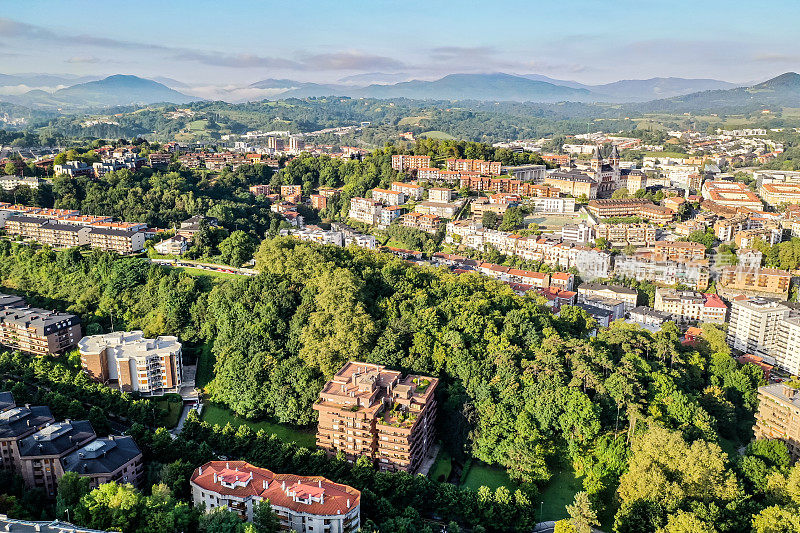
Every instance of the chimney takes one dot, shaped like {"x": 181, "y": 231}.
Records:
{"x": 199, "y": 470}
{"x": 264, "y": 484}
{"x": 227, "y": 465}
{"x": 348, "y": 503}
{"x": 319, "y": 482}
{"x": 215, "y": 477}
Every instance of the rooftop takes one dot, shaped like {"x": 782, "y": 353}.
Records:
{"x": 101, "y": 456}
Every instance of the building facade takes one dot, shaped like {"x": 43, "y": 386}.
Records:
{"x": 753, "y": 326}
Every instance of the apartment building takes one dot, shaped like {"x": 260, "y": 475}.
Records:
{"x": 595, "y": 291}
{"x": 422, "y": 221}
{"x": 573, "y": 182}
{"x": 388, "y": 197}
{"x": 113, "y": 458}
{"x": 391, "y": 213}
{"x": 747, "y": 238}
{"x": 413, "y": 192}
{"x": 40, "y": 454}
{"x": 564, "y": 205}
{"x": 38, "y": 331}
{"x": 440, "y": 209}
{"x": 774, "y": 194}
{"x": 624, "y": 234}
{"x": 158, "y": 160}
{"x": 768, "y": 282}
{"x": 726, "y": 228}
{"x": 148, "y": 366}
{"x": 534, "y": 173}
{"x": 177, "y": 245}
{"x": 9, "y": 183}
{"x": 617, "y": 207}
{"x": 646, "y": 268}
{"x": 753, "y": 326}
{"x": 441, "y": 195}
{"x": 562, "y": 280}
{"x": 365, "y": 210}
{"x": 17, "y": 423}
{"x": 787, "y": 349}
{"x": 578, "y": 233}
{"x": 491, "y": 168}
{"x": 679, "y": 250}
{"x": 73, "y": 169}
{"x": 657, "y": 214}
{"x": 117, "y": 240}
{"x": 367, "y": 410}
{"x": 778, "y": 416}
{"x": 48, "y": 232}
{"x": 691, "y": 305}
{"x": 404, "y": 163}
{"x": 540, "y": 191}
{"x": 262, "y": 189}
{"x": 305, "y": 504}
{"x": 731, "y": 194}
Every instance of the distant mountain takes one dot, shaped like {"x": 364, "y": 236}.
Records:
{"x": 111, "y": 91}
{"x": 369, "y": 78}
{"x": 170, "y": 82}
{"x": 644, "y": 90}
{"x": 43, "y": 80}
{"x": 554, "y": 81}
{"x": 781, "y": 91}
{"x": 505, "y": 87}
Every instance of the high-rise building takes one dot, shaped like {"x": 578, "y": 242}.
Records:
{"x": 778, "y": 416}
{"x": 367, "y": 410}
{"x": 787, "y": 348}
{"x": 148, "y": 366}
{"x": 753, "y": 326}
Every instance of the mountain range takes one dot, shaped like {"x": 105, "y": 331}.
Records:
{"x": 668, "y": 94}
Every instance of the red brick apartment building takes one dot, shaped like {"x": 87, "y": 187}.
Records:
{"x": 410, "y": 162}
{"x": 369, "y": 410}
{"x": 474, "y": 165}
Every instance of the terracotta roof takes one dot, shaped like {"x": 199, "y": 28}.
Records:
{"x": 712, "y": 300}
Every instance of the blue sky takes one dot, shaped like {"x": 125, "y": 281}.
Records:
{"x": 238, "y": 41}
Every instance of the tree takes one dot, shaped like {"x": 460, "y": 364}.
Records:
{"x": 11, "y": 168}
{"x": 71, "y": 488}
{"x": 237, "y": 248}
{"x": 264, "y": 518}
{"x": 221, "y": 520}
{"x": 581, "y": 514}
{"x": 601, "y": 243}
{"x": 489, "y": 219}
{"x": 683, "y": 522}
{"x": 513, "y": 218}
{"x": 777, "y": 519}
{"x": 620, "y": 193}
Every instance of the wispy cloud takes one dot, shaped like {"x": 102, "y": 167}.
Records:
{"x": 778, "y": 58}
{"x": 83, "y": 59}
{"x": 352, "y": 60}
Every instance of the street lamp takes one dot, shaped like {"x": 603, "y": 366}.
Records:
{"x": 541, "y": 510}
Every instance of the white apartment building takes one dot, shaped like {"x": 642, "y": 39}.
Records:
{"x": 138, "y": 364}
{"x": 366, "y": 210}
{"x": 441, "y": 195}
{"x": 414, "y": 192}
{"x": 787, "y": 352}
{"x": 577, "y": 233}
{"x": 753, "y": 327}
{"x": 552, "y": 205}
{"x": 388, "y": 197}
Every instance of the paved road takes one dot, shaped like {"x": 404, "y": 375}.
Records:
{"x": 184, "y": 413}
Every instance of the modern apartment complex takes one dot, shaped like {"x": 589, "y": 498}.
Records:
{"x": 112, "y": 458}
{"x": 16, "y": 423}
{"x": 691, "y": 305}
{"x": 679, "y": 250}
{"x": 305, "y": 504}
{"x": 367, "y": 410}
{"x": 147, "y": 366}
{"x": 787, "y": 348}
{"x": 767, "y": 282}
{"x": 116, "y": 237}
{"x": 645, "y": 268}
{"x": 388, "y": 197}
{"x": 753, "y": 326}
{"x": 625, "y": 234}
{"x": 365, "y": 210}
{"x": 778, "y": 416}
{"x": 36, "y": 331}
{"x": 404, "y": 163}
{"x": 594, "y": 291}
{"x": 414, "y": 192}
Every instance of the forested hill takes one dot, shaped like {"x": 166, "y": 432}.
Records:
{"x": 520, "y": 387}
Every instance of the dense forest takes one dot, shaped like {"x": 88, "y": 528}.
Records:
{"x": 521, "y": 388}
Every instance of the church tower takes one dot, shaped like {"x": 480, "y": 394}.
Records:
{"x": 613, "y": 159}
{"x": 597, "y": 161}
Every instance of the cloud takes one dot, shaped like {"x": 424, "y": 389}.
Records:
{"x": 448, "y": 53}
{"x": 236, "y": 61}
{"x": 777, "y": 58}
{"x": 351, "y": 60}
{"x": 83, "y": 59}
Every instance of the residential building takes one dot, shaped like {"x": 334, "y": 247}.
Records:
{"x": 292, "y": 193}
{"x": 365, "y": 210}
{"x": 731, "y": 194}
{"x": 593, "y": 291}
{"x": 602, "y": 316}
{"x": 158, "y": 160}
{"x": 40, "y": 454}
{"x": 368, "y": 410}
{"x": 753, "y": 326}
{"x": 442, "y": 210}
{"x": 562, "y": 280}
{"x": 643, "y": 267}
{"x": 534, "y": 173}
{"x": 747, "y": 238}
{"x": 117, "y": 240}
{"x": 17, "y": 423}
{"x": 614, "y": 308}
{"x": 564, "y": 205}
{"x": 757, "y": 361}
{"x": 778, "y": 416}
{"x": 9, "y": 183}
{"x": 390, "y": 214}
{"x": 578, "y": 233}
{"x": 749, "y": 258}
{"x": 679, "y": 250}
{"x": 617, "y": 207}
{"x": 113, "y": 164}
{"x": 787, "y": 348}
{"x": 114, "y": 458}
{"x": 305, "y": 504}
{"x": 73, "y": 169}
{"x": 540, "y": 191}
{"x": 176, "y": 245}
{"x": 413, "y": 192}
{"x": 260, "y": 190}
{"x": 491, "y": 168}
{"x": 404, "y": 163}
{"x": 774, "y": 194}
{"x": 47, "y": 231}
{"x": 42, "y": 526}
{"x": 147, "y": 366}
{"x": 620, "y": 235}
{"x": 38, "y": 331}
{"x": 319, "y": 201}
{"x": 769, "y": 282}
{"x": 648, "y": 316}
{"x": 656, "y": 214}
{"x": 573, "y": 182}
{"x": 422, "y": 221}
{"x": 691, "y": 305}
{"x": 441, "y": 195}
{"x": 387, "y": 197}
{"x": 726, "y": 228}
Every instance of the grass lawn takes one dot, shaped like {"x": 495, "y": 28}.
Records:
{"x": 205, "y": 366}
{"x": 173, "y": 409}
{"x": 208, "y": 273}
{"x": 559, "y": 493}
{"x": 215, "y": 414}
{"x": 440, "y": 470}
{"x": 480, "y": 474}
{"x": 436, "y": 134}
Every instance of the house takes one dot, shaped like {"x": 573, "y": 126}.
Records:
{"x": 177, "y": 245}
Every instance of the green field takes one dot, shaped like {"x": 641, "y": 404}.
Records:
{"x": 435, "y": 134}
{"x": 215, "y": 414}
{"x": 173, "y": 409}
{"x": 441, "y": 469}
{"x": 559, "y": 493}
{"x": 211, "y": 274}
{"x": 205, "y": 366}
{"x": 480, "y": 474}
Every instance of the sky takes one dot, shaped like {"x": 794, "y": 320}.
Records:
{"x": 238, "y": 42}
